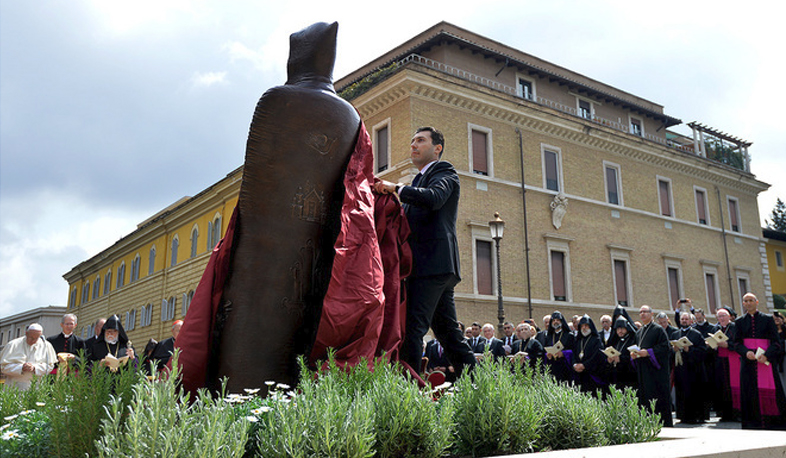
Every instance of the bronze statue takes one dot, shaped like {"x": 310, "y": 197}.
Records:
{"x": 301, "y": 137}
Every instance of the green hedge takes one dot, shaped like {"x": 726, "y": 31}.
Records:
{"x": 361, "y": 412}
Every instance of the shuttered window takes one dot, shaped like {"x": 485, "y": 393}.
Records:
{"x": 558, "y": 276}
{"x": 480, "y": 163}
{"x": 621, "y": 281}
{"x": 484, "y": 267}
{"x": 664, "y": 190}
{"x": 551, "y": 170}
{"x": 701, "y": 206}
{"x": 382, "y": 149}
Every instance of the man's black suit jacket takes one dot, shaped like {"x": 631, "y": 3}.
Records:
{"x": 62, "y": 345}
{"x": 431, "y": 210}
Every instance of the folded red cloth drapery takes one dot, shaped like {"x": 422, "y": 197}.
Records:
{"x": 363, "y": 313}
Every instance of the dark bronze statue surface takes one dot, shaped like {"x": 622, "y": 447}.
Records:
{"x": 301, "y": 137}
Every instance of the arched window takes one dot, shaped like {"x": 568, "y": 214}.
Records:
{"x": 194, "y": 240}
{"x": 151, "y": 266}
{"x": 96, "y": 287}
{"x": 216, "y": 231}
{"x": 121, "y": 275}
{"x": 107, "y": 281}
{"x": 175, "y": 243}
{"x": 86, "y": 292}
{"x": 135, "y": 265}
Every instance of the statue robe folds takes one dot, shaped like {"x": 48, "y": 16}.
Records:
{"x": 303, "y": 231}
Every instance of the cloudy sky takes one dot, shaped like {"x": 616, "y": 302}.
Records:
{"x": 110, "y": 110}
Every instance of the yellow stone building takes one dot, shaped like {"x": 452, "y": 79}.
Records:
{"x": 613, "y": 206}
{"x": 149, "y": 276}
{"x": 776, "y": 260}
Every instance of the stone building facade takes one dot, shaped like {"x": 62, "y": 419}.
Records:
{"x": 613, "y": 208}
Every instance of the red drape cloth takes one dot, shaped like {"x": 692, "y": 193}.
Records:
{"x": 363, "y": 313}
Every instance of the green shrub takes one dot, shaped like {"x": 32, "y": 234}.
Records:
{"x": 625, "y": 421}
{"x": 570, "y": 419}
{"x": 159, "y": 422}
{"x": 494, "y": 412}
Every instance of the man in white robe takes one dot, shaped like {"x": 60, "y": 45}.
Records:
{"x": 27, "y": 357}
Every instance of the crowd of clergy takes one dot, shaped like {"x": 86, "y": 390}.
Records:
{"x": 691, "y": 368}
{"x": 33, "y": 355}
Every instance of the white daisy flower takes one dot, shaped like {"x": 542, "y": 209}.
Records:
{"x": 252, "y": 419}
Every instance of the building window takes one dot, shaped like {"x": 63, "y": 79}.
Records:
{"x": 585, "y": 108}
{"x": 779, "y": 259}
{"x": 712, "y": 291}
{"x": 480, "y": 150}
{"x": 146, "y": 315}
{"x": 382, "y": 146}
{"x": 664, "y": 197}
{"x": 636, "y": 127}
{"x": 742, "y": 285}
{"x": 107, "y": 281}
{"x": 674, "y": 280}
{"x": 194, "y": 240}
{"x": 96, "y": 287}
{"x": 187, "y": 298}
{"x": 121, "y": 275}
{"x": 130, "y": 320}
{"x": 72, "y": 298}
{"x": 135, "y": 268}
{"x": 151, "y": 264}
{"x": 734, "y": 215}
{"x": 168, "y": 308}
{"x": 526, "y": 89}
{"x": 702, "y": 212}
{"x": 484, "y": 267}
{"x": 551, "y": 170}
{"x": 215, "y": 233}
{"x": 621, "y": 282}
{"x": 86, "y": 292}
{"x": 558, "y": 278}
{"x": 613, "y": 188}
{"x": 175, "y": 243}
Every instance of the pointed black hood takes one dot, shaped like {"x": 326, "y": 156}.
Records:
{"x": 586, "y": 320}
{"x": 557, "y": 315}
{"x": 113, "y": 322}
{"x": 312, "y": 55}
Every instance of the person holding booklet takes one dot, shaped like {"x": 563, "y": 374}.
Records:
{"x": 651, "y": 357}
{"x": 621, "y": 372}
{"x": 689, "y": 374}
{"x": 756, "y": 341}
{"x": 112, "y": 348}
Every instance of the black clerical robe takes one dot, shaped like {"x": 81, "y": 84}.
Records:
{"x": 653, "y": 370}
{"x": 162, "y": 353}
{"x": 587, "y": 351}
{"x": 622, "y": 374}
{"x": 561, "y": 368}
{"x": 532, "y": 348}
{"x": 760, "y": 387}
{"x": 722, "y": 377}
{"x": 62, "y": 344}
{"x": 690, "y": 378}
{"x": 101, "y": 348}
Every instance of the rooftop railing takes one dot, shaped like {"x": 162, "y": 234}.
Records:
{"x": 573, "y": 111}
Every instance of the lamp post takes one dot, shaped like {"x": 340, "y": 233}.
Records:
{"x": 497, "y": 226}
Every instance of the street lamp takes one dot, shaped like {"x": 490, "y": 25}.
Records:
{"x": 497, "y": 226}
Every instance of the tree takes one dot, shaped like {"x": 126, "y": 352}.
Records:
{"x": 777, "y": 220}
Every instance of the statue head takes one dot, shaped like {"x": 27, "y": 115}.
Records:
{"x": 312, "y": 54}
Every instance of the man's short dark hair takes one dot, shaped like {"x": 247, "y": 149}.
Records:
{"x": 436, "y": 137}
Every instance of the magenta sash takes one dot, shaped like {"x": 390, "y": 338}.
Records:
{"x": 765, "y": 379}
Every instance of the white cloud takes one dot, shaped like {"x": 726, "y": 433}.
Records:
{"x": 208, "y": 79}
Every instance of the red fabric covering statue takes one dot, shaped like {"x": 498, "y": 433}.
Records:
{"x": 363, "y": 312}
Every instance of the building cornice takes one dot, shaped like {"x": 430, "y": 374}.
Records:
{"x": 424, "y": 84}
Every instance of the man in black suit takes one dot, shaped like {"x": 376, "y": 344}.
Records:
{"x": 493, "y": 345}
{"x": 431, "y": 206}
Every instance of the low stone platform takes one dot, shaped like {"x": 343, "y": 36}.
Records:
{"x": 716, "y": 440}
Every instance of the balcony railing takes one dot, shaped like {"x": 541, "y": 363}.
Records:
{"x": 573, "y": 111}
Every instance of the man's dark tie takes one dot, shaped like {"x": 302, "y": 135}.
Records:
{"x": 416, "y": 181}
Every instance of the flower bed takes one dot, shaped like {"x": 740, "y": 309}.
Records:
{"x": 354, "y": 413}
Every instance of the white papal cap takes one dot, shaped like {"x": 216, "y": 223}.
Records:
{"x": 35, "y": 327}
